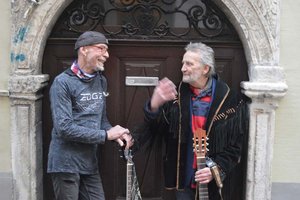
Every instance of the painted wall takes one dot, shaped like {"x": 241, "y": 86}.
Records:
{"x": 5, "y": 22}
{"x": 286, "y": 162}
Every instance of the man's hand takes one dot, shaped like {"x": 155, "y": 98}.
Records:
{"x": 163, "y": 92}
{"x": 120, "y": 134}
{"x": 128, "y": 139}
{"x": 203, "y": 176}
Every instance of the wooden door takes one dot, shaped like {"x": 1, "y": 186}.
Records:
{"x": 147, "y": 39}
{"x": 125, "y": 103}
{"x": 125, "y": 107}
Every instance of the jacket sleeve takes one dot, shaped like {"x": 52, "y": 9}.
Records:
{"x": 229, "y": 135}
{"x": 105, "y": 124}
{"x": 63, "y": 122}
{"x": 145, "y": 133}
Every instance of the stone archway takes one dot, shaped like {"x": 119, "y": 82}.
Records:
{"x": 257, "y": 23}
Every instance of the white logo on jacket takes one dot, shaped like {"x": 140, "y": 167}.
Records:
{"x": 92, "y": 96}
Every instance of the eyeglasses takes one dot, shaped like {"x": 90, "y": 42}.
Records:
{"x": 103, "y": 49}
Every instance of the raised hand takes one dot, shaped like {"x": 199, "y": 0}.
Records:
{"x": 163, "y": 92}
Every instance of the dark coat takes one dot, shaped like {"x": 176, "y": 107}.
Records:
{"x": 227, "y": 123}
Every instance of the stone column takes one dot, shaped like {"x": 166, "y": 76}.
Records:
{"x": 265, "y": 93}
{"x": 26, "y": 135}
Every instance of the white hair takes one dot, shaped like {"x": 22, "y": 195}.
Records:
{"x": 206, "y": 55}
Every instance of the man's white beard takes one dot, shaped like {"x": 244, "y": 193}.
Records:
{"x": 186, "y": 79}
{"x": 100, "y": 67}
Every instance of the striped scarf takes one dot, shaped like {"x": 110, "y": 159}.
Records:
{"x": 80, "y": 73}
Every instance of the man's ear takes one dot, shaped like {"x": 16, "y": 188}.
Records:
{"x": 206, "y": 70}
{"x": 83, "y": 50}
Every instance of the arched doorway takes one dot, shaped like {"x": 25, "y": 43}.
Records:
{"x": 146, "y": 40}
{"x": 32, "y": 22}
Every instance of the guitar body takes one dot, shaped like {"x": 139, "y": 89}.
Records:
{"x": 200, "y": 148}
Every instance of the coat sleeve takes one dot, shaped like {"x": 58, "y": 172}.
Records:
{"x": 228, "y": 136}
{"x": 145, "y": 133}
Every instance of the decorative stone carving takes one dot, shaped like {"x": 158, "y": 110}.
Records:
{"x": 21, "y": 11}
{"x": 30, "y": 84}
{"x": 29, "y": 34}
{"x": 270, "y": 11}
{"x": 256, "y": 26}
{"x": 24, "y": 7}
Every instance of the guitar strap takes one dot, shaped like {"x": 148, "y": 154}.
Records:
{"x": 215, "y": 172}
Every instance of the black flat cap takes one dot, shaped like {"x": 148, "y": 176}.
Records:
{"x": 90, "y": 38}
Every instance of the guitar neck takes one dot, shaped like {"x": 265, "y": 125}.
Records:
{"x": 129, "y": 180}
{"x": 202, "y": 188}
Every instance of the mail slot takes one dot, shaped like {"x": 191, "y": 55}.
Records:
{"x": 141, "y": 81}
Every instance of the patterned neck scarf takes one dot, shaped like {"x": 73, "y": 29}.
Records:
{"x": 80, "y": 73}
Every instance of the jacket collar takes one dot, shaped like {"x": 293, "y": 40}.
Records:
{"x": 220, "y": 93}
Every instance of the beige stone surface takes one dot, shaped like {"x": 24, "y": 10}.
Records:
{"x": 5, "y": 24}
{"x": 286, "y": 162}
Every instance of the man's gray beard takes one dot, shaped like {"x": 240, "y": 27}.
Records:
{"x": 100, "y": 68}
{"x": 186, "y": 80}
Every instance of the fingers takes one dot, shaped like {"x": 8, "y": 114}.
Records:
{"x": 129, "y": 140}
{"x": 167, "y": 89}
{"x": 116, "y": 132}
{"x": 121, "y": 143}
{"x": 203, "y": 176}
{"x": 163, "y": 92}
{"x": 120, "y": 135}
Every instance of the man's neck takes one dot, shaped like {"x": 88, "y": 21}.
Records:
{"x": 201, "y": 85}
{"x": 83, "y": 66}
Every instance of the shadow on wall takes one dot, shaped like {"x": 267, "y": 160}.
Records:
{"x": 5, "y": 186}
{"x": 290, "y": 191}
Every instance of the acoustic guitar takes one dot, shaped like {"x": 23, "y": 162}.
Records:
{"x": 132, "y": 186}
{"x": 200, "y": 148}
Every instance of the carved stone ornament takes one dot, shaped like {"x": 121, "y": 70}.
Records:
{"x": 30, "y": 84}
{"x": 258, "y": 24}
{"x": 24, "y": 7}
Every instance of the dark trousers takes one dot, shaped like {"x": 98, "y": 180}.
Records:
{"x": 186, "y": 194}
{"x": 69, "y": 186}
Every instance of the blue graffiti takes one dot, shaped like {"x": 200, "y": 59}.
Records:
{"x": 20, "y": 57}
{"x": 12, "y": 57}
{"x": 21, "y": 35}
{"x": 17, "y": 57}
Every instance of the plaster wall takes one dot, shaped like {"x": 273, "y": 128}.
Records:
{"x": 6, "y": 186}
{"x": 286, "y": 162}
{"x": 5, "y": 24}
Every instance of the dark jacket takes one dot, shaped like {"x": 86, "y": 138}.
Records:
{"x": 79, "y": 123}
{"x": 226, "y": 125}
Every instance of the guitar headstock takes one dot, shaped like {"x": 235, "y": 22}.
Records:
{"x": 200, "y": 142}
{"x": 128, "y": 155}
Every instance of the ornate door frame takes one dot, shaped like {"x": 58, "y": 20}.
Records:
{"x": 257, "y": 23}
